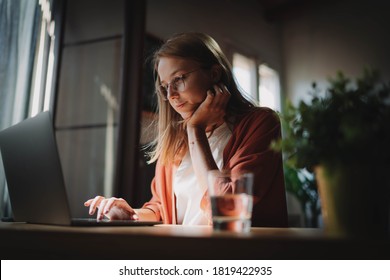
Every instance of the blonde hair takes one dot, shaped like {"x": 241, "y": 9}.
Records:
{"x": 171, "y": 141}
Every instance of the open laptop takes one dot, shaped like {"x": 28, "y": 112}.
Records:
{"x": 35, "y": 179}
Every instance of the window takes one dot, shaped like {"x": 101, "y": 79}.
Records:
{"x": 259, "y": 82}
{"x": 26, "y": 66}
{"x": 269, "y": 87}
{"x": 43, "y": 70}
{"x": 244, "y": 69}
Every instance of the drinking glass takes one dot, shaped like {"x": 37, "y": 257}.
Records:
{"x": 231, "y": 200}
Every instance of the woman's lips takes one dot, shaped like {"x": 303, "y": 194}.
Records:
{"x": 180, "y": 105}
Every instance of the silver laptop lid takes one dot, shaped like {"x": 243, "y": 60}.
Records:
{"x": 33, "y": 171}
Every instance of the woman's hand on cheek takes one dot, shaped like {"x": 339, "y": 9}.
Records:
{"x": 212, "y": 110}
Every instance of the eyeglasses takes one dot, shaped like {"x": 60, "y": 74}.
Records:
{"x": 177, "y": 84}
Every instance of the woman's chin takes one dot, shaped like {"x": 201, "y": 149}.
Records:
{"x": 187, "y": 112}
{"x": 186, "y": 115}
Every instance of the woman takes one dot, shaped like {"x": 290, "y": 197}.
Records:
{"x": 204, "y": 123}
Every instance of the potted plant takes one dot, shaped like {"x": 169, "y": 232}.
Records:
{"x": 344, "y": 137}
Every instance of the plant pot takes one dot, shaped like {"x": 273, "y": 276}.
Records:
{"x": 354, "y": 199}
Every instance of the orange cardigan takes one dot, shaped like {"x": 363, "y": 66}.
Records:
{"x": 248, "y": 149}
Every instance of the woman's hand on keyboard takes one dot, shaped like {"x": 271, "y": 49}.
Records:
{"x": 113, "y": 208}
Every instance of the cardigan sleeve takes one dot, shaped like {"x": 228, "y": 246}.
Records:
{"x": 154, "y": 203}
{"x": 249, "y": 150}
{"x": 162, "y": 199}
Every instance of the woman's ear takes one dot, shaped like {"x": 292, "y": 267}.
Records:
{"x": 216, "y": 73}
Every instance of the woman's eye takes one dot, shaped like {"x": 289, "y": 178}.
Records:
{"x": 177, "y": 79}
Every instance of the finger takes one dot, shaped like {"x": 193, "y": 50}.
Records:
{"x": 132, "y": 212}
{"x": 226, "y": 96}
{"x": 135, "y": 216}
{"x": 120, "y": 202}
{"x": 221, "y": 88}
{"x": 100, "y": 214}
{"x": 218, "y": 89}
{"x": 219, "y": 96}
{"x": 210, "y": 97}
{"x": 94, "y": 204}
{"x": 88, "y": 202}
{"x": 109, "y": 205}
{"x": 226, "y": 90}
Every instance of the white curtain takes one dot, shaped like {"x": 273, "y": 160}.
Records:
{"x": 17, "y": 44}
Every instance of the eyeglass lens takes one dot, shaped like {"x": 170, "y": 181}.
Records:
{"x": 177, "y": 85}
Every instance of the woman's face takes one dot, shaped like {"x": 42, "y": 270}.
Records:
{"x": 197, "y": 82}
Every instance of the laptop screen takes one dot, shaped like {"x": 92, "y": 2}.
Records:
{"x": 33, "y": 172}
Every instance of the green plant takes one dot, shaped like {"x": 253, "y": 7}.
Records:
{"x": 349, "y": 124}
{"x": 302, "y": 185}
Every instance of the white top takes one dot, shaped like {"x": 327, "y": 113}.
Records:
{"x": 187, "y": 189}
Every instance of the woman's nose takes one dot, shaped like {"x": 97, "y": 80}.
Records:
{"x": 172, "y": 93}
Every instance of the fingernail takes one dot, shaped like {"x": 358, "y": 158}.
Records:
{"x": 135, "y": 217}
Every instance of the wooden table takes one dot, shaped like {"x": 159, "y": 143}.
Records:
{"x": 30, "y": 241}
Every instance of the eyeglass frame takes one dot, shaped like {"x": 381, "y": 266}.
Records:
{"x": 173, "y": 82}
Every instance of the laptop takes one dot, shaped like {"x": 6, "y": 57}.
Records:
{"x": 35, "y": 179}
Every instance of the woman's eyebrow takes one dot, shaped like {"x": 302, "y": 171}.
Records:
{"x": 171, "y": 76}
